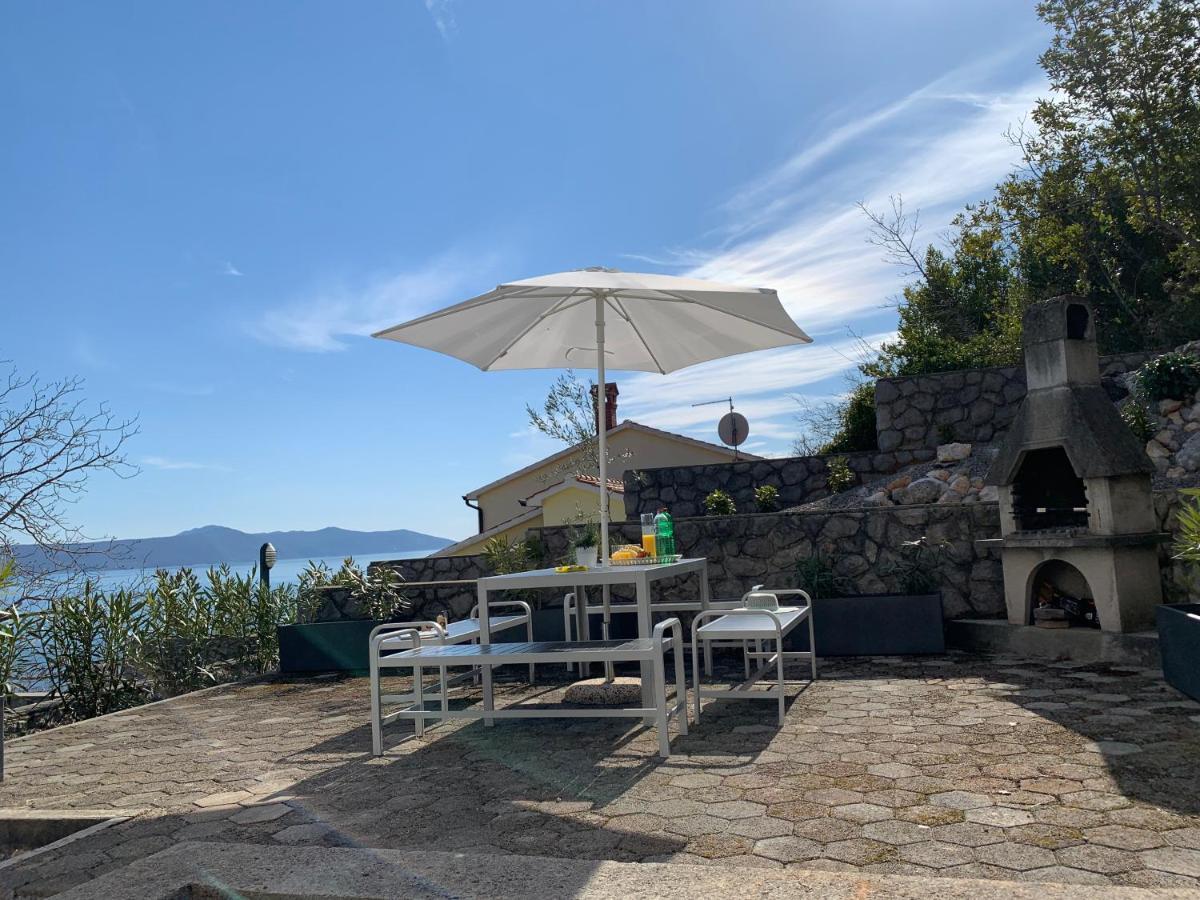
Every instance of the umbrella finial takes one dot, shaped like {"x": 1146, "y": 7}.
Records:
{"x": 597, "y": 269}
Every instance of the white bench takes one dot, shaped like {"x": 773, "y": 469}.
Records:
{"x": 397, "y": 636}
{"x": 760, "y": 626}
{"x": 440, "y": 656}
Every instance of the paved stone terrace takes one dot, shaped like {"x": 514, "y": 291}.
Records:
{"x": 958, "y": 766}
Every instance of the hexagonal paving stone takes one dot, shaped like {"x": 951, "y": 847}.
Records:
{"x": 759, "y": 827}
{"x": 1179, "y": 860}
{"x": 893, "y": 770}
{"x": 862, "y": 812}
{"x": 937, "y": 854}
{"x": 694, "y": 826}
{"x": 999, "y": 816}
{"x": 961, "y": 800}
{"x": 969, "y": 834}
{"x": 736, "y": 809}
{"x": 1122, "y": 837}
{"x": 1015, "y": 856}
{"x": 673, "y": 809}
{"x": 861, "y": 852}
{"x": 1094, "y": 858}
{"x": 1062, "y": 875}
{"x": 826, "y": 831}
{"x": 833, "y": 796}
{"x": 1184, "y": 837}
{"x": 896, "y": 832}
{"x": 798, "y": 811}
{"x": 930, "y": 815}
{"x": 787, "y": 849}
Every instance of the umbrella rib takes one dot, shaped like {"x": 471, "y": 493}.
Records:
{"x": 682, "y": 299}
{"x": 532, "y": 325}
{"x": 459, "y": 307}
{"x": 628, "y": 318}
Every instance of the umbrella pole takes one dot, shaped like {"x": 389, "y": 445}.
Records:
{"x": 602, "y": 436}
{"x": 601, "y": 421}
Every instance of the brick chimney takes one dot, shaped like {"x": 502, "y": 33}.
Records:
{"x": 610, "y": 405}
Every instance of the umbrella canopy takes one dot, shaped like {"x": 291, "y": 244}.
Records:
{"x": 653, "y": 323}
{"x": 617, "y": 320}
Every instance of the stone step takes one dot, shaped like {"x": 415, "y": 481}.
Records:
{"x": 266, "y": 872}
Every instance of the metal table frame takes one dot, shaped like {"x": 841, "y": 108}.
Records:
{"x": 641, "y": 577}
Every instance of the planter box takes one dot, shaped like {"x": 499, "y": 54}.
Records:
{"x": 876, "y": 625}
{"x": 325, "y": 647}
{"x": 1179, "y": 645}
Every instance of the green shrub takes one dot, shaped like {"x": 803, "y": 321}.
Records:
{"x": 15, "y": 637}
{"x": 505, "y": 557}
{"x": 814, "y": 574}
{"x": 855, "y": 422}
{"x": 719, "y": 503}
{"x": 1172, "y": 376}
{"x": 1138, "y": 419}
{"x": 379, "y": 591}
{"x": 839, "y": 476}
{"x": 916, "y": 569}
{"x": 92, "y": 645}
{"x": 766, "y": 498}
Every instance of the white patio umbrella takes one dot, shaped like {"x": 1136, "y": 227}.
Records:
{"x": 622, "y": 320}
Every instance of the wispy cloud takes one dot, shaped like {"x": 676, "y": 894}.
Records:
{"x": 230, "y": 269}
{"x": 797, "y": 229}
{"x": 442, "y": 13}
{"x": 322, "y": 320}
{"x": 181, "y": 465}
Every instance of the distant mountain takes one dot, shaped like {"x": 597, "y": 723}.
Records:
{"x": 215, "y": 543}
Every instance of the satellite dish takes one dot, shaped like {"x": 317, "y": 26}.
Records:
{"x": 733, "y": 429}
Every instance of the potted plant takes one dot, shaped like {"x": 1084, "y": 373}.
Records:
{"x": 1179, "y": 623}
{"x": 585, "y": 544}
{"x": 891, "y": 624}
{"x": 337, "y": 612}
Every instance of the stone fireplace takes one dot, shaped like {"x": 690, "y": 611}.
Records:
{"x": 1076, "y": 515}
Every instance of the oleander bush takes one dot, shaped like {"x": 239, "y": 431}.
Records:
{"x": 839, "y": 476}
{"x": 766, "y": 497}
{"x": 101, "y": 651}
{"x": 719, "y": 503}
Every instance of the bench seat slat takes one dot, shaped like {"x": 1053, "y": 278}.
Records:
{"x": 759, "y": 627}
{"x": 535, "y": 651}
{"x": 456, "y": 632}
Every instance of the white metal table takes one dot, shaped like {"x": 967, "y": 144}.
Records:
{"x": 641, "y": 577}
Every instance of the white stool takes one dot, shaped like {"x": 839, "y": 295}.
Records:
{"x": 760, "y": 625}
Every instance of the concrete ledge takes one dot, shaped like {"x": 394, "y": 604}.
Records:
{"x": 194, "y": 870}
{"x": 1082, "y": 645}
{"x": 28, "y": 832}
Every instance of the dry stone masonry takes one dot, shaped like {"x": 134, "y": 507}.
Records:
{"x": 975, "y": 405}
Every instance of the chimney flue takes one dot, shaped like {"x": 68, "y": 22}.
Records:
{"x": 610, "y": 405}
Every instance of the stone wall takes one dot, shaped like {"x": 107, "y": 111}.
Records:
{"x": 799, "y": 479}
{"x": 863, "y": 546}
{"x": 454, "y": 600}
{"x": 974, "y": 405}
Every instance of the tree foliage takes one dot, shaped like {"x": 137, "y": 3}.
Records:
{"x": 1105, "y": 204}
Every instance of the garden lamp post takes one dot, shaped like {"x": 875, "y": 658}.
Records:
{"x": 266, "y": 561}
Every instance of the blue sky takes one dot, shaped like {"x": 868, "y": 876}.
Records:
{"x": 208, "y": 206}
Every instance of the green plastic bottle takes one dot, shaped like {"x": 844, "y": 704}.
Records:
{"x": 664, "y": 538}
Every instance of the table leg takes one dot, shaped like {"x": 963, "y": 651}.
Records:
{"x": 705, "y": 602}
{"x": 581, "y": 626}
{"x": 645, "y": 631}
{"x": 485, "y": 639}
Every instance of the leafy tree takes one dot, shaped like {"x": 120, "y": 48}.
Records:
{"x": 1106, "y": 203}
